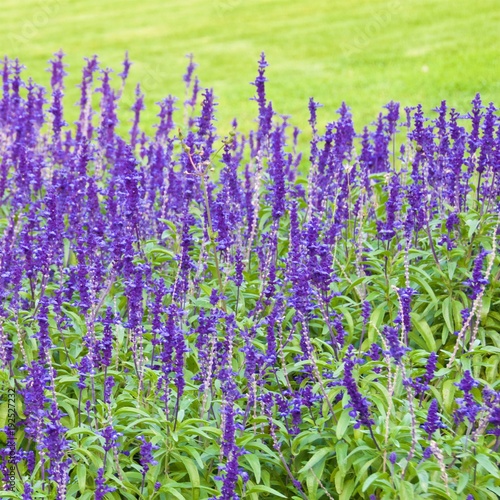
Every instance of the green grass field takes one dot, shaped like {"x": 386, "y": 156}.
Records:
{"x": 364, "y": 52}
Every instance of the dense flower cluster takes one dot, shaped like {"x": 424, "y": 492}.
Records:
{"x": 192, "y": 314}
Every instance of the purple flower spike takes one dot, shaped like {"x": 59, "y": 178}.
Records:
{"x": 27, "y": 492}
{"x": 101, "y": 488}
{"x": 467, "y": 407}
{"x": 433, "y": 422}
{"x": 366, "y": 310}
{"x": 478, "y": 281}
{"x": 189, "y": 70}
{"x": 359, "y": 404}
{"x": 147, "y": 455}
{"x": 396, "y": 349}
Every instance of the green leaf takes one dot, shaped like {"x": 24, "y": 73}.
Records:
{"x": 423, "y": 328}
{"x": 406, "y": 491}
{"x": 261, "y": 488}
{"x": 485, "y": 308}
{"x": 319, "y": 455}
{"x": 172, "y": 491}
{"x": 194, "y": 476}
{"x": 133, "y": 411}
{"x": 472, "y": 224}
{"x": 370, "y": 480}
{"x": 4, "y": 409}
{"x": 343, "y": 424}
{"x": 347, "y": 490}
{"x": 339, "y": 481}
{"x": 81, "y": 474}
{"x": 424, "y": 283}
{"x": 448, "y": 394}
{"x": 452, "y": 265}
{"x": 362, "y": 470}
{"x": 134, "y": 423}
{"x": 485, "y": 462}
{"x": 423, "y": 479}
{"x": 254, "y": 463}
{"x": 341, "y": 449}
{"x": 81, "y": 430}
{"x": 448, "y": 314}
{"x": 463, "y": 481}
{"x": 191, "y": 450}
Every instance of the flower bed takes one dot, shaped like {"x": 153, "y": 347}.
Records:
{"x": 197, "y": 315}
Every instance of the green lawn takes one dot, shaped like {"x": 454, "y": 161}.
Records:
{"x": 361, "y": 51}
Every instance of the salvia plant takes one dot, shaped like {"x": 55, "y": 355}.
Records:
{"x": 202, "y": 313}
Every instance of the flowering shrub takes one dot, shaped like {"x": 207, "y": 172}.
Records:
{"x": 200, "y": 315}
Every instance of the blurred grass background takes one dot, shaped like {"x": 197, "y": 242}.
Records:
{"x": 364, "y": 52}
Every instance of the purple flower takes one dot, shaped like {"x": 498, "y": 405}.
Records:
{"x": 147, "y": 455}
{"x": 36, "y": 382}
{"x": 84, "y": 369}
{"x": 452, "y": 221}
{"x": 43, "y": 335}
{"x": 475, "y": 115}
{"x": 392, "y": 116}
{"x": 109, "y": 383}
{"x": 421, "y": 384}
{"x": 467, "y": 407}
{"x": 276, "y": 171}
{"x": 56, "y": 109}
{"x": 359, "y": 404}
{"x": 492, "y": 404}
{"x": 339, "y": 328}
{"x": 396, "y": 349}
{"x": 478, "y": 281}
{"x": 110, "y": 438}
{"x": 56, "y": 444}
{"x": 126, "y": 68}
{"x": 166, "y": 125}
{"x": 27, "y": 492}
{"x": 88, "y": 406}
{"x": 205, "y": 125}
{"x": 405, "y": 295}
{"x": 215, "y": 297}
{"x": 374, "y": 352}
{"x": 320, "y": 262}
{"x": 239, "y": 268}
{"x": 265, "y": 110}
{"x": 433, "y": 422}
{"x": 137, "y": 107}
{"x": 106, "y": 344}
{"x": 101, "y": 488}
{"x": 366, "y": 310}
{"x": 387, "y": 230}
{"x": 189, "y": 70}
